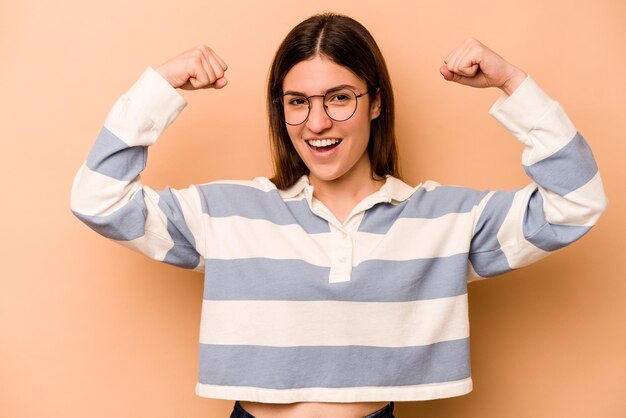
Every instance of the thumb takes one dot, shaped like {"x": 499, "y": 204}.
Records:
{"x": 451, "y": 76}
{"x": 447, "y": 74}
{"x": 473, "y": 78}
{"x": 220, "y": 83}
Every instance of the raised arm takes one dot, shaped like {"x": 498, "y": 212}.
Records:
{"x": 107, "y": 193}
{"x": 566, "y": 197}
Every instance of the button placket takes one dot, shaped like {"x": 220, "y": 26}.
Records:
{"x": 341, "y": 256}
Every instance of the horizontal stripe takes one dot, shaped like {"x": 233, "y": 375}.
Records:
{"x": 126, "y": 223}
{"x": 112, "y": 157}
{"x": 333, "y": 367}
{"x": 427, "y": 204}
{"x": 382, "y": 324}
{"x": 98, "y": 195}
{"x": 224, "y": 200}
{"x": 567, "y": 169}
{"x": 348, "y": 394}
{"x": 490, "y": 263}
{"x": 239, "y": 238}
{"x": 581, "y": 207}
{"x": 415, "y": 238}
{"x": 544, "y": 235}
{"x": 373, "y": 280}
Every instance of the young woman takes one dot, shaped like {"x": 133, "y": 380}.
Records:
{"x": 334, "y": 287}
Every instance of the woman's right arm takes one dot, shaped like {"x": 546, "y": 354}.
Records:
{"x": 107, "y": 193}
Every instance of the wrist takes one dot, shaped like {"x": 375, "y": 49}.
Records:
{"x": 513, "y": 81}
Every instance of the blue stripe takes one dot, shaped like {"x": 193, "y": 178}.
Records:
{"x": 490, "y": 263}
{"x": 332, "y": 366}
{"x": 485, "y": 254}
{"x": 373, "y": 280}
{"x": 425, "y": 204}
{"x": 548, "y": 237}
{"x": 567, "y": 169}
{"x": 114, "y": 158}
{"x": 223, "y": 200}
{"x": 183, "y": 253}
{"x": 125, "y": 224}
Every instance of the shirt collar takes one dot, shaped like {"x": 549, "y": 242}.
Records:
{"x": 394, "y": 189}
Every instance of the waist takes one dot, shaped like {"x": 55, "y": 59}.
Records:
{"x": 313, "y": 409}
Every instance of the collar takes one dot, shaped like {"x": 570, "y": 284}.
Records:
{"x": 393, "y": 190}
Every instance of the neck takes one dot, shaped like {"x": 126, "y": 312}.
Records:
{"x": 341, "y": 195}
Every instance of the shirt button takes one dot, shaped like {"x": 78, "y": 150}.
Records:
{"x": 343, "y": 259}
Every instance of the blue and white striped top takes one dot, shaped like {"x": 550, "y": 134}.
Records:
{"x": 300, "y": 307}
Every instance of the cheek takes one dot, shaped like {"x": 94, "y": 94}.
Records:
{"x": 294, "y": 135}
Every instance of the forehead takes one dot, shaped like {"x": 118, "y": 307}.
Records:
{"x": 318, "y": 74}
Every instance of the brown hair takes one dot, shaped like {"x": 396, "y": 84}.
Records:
{"x": 346, "y": 42}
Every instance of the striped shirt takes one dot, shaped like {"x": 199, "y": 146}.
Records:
{"x": 301, "y": 307}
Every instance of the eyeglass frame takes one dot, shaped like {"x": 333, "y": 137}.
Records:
{"x": 279, "y": 101}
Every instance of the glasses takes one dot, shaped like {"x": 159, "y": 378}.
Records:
{"x": 339, "y": 104}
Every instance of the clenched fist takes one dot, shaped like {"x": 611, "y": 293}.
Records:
{"x": 197, "y": 68}
{"x": 473, "y": 64}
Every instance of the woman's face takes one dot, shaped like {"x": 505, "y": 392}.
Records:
{"x": 331, "y": 150}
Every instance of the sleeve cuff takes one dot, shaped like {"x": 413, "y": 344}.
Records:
{"x": 156, "y": 98}
{"x": 520, "y": 111}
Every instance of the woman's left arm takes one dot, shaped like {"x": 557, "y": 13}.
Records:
{"x": 566, "y": 197}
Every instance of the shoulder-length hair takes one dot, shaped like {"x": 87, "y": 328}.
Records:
{"x": 346, "y": 42}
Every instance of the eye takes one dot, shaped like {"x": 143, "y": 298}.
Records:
{"x": 339, "y": 97}
{"x": 297, "y": 101}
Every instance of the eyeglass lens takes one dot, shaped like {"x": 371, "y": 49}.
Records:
{"x": 339, "y": 105}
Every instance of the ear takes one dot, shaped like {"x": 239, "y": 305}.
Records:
{"x": 375, "y": 105}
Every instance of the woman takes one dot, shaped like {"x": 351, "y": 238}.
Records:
{"x": 335, "y": 288}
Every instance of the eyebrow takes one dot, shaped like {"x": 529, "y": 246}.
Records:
{"x": 339, "y": 87}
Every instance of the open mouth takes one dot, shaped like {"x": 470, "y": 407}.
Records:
{"x": 323, "y": 145}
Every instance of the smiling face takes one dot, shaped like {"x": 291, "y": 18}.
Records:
{"x": 332, "y": 151}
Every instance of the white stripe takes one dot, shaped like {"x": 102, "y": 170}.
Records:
{"x": 334, "y": 323}
{"x": 556, "y": 132}
{"x": 141, "y": 115}
{"x": 517, "y": 250}
{"x": 152, "y": 245}
{"x": 96, "y": 194}
{"x": 236, "y": 237}
{"x": 259, "y": 183}
{"x": 412, "y": 238}
{"x": 356, "y": 394}
{"x": 582, "y": 207}
{"x": 526, "y": 109}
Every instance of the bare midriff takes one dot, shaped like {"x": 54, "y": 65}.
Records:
{"x": 312, "y": 409}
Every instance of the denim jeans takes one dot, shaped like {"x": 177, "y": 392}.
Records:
{"x": 386, "y": 412}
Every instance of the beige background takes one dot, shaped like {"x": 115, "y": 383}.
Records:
{"x": 88, "y": 328}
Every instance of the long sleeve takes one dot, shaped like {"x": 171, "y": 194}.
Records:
{"x": 565, "y": 199}
{"x": 107, "y": 193}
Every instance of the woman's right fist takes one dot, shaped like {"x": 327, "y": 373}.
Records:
{"x": 197, "y": 68}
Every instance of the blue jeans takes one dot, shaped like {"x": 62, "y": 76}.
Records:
{"x": 386, "y": 412}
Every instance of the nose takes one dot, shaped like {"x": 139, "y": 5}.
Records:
{"x": 318, "y": 120}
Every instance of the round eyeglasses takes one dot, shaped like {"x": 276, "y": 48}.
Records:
{"x": 339, "y": 104}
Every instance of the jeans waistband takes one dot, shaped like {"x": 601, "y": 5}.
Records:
{"x": 386, "y": 412}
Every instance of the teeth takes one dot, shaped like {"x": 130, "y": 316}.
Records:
{"x": 322, "y": 142}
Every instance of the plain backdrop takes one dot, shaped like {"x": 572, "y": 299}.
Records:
{"x": 91, "y": 329}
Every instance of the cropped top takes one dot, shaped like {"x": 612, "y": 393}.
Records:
{"x": 298, "y": 306}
